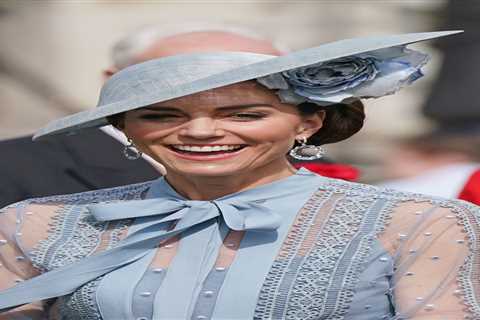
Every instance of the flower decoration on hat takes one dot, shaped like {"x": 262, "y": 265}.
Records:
{"x": 367, "y": 75}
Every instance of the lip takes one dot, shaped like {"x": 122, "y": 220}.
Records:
{"x": 207, "y": 157}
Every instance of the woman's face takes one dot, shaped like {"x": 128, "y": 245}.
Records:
{"x": 231, "y": 130}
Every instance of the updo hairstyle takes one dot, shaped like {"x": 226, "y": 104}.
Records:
{"x": 342, "y": 121}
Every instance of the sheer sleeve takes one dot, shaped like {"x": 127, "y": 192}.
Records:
{"x": 21, "y": 227}
{"x": 433, "y": 245}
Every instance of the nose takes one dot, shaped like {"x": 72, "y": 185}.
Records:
{"x": 200, "y": 128}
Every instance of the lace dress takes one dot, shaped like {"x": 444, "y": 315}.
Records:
{"x": 315, "y": 248}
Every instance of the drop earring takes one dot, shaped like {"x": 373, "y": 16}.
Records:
{"x": 131, "y": 152}
{"x": 307, "y": 151}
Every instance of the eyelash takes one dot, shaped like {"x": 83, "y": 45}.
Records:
{"x": 241, "y": 116}
{"x": 157, "y": 116}
{"x": 248, "y": 116}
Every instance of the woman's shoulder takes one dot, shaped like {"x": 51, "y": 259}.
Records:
{"x": 46, "y": 230}
{"x": 375, "y": 192}
{"x": 125, "y": 192}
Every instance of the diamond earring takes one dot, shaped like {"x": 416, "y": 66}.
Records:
{"x": 131, "y": 152}
{"x": 307, "y": 151}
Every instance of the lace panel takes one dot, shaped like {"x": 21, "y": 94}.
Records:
{"x": 469, "y": 275}
{"x": 467, "y": 215}
{"x": 317, "y": 280}
{"x": 274, "y": 291}
{"x": 73, "y": 235}
{"x": 81, "y": 305}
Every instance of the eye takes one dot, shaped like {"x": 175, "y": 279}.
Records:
{"x": 159, "y": 116}
{"x": 245, "y": 116}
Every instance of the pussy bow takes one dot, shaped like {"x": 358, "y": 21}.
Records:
{"x": 246, "y": 213}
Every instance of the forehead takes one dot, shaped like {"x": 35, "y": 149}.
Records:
{"x": 247, "y": 92}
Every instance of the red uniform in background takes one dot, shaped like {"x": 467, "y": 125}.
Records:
{"x": 471, "y": 190}
{"x": 331, "y": 170}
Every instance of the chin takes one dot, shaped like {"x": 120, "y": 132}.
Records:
{"x": 208, "y": 170}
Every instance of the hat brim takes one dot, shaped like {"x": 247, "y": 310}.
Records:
{"x": 98, "y": 116}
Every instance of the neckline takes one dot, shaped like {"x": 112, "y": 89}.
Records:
{"x": 162, "y": 188}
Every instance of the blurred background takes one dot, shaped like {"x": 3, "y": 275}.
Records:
{"x": 52, "y": 52}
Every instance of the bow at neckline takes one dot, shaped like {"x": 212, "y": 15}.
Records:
{"x": 244, "y": 210}
{"x": 163, "y": 205}
{"x": 238, "y": 215}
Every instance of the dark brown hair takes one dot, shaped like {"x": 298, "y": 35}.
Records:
{"x": 117, "y": 120}
{"x": 341, "y": 121}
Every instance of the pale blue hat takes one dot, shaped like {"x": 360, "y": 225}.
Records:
{"x": 364, "y": 75}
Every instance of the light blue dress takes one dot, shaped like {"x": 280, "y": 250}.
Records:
{"x": 310, "y": 250}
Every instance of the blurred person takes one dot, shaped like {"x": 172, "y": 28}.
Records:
{"x": 233, "y": 231}
{"x": 443, "y": 162}
{"x": 454, "y": 95}
{"x": 446, "y": 160}
{"x": 94, "y": 160}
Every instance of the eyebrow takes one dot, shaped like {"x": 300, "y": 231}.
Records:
{"x": 232, "y": 107}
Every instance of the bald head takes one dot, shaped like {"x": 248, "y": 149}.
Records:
{"x": 200, "y": 41}
{"x": 206, "y": 41}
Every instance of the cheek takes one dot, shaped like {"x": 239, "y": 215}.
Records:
{"x": 142, "y": 131}
{"x": 275, "y": 130}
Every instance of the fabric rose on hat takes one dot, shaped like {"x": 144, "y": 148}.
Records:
{"x": 368, "y": 75}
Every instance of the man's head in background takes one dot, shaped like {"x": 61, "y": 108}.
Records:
{"x": 158, "y": 41}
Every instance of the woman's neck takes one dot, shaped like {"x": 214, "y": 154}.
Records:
{"x": 214, "y": 187}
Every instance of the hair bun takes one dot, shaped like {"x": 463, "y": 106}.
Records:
{"x": 341, "y": 121}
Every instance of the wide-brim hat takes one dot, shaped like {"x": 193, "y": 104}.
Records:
{"x": 176, "y": 76}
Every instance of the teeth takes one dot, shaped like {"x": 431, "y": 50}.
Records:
{"x": 206, "y": 148}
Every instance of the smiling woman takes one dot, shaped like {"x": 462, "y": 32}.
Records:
{"x": 220, "y": 133}
{"x": 233, "y": 123}
{"x": 233, "y": 231}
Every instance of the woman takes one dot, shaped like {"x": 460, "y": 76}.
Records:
{"x": 233, "y": 231}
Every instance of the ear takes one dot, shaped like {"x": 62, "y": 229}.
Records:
{"x": 107, "y": 73}
{"x": 310, "y": 124}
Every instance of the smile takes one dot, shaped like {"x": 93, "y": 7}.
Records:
{"x": 206, "y": 152}
{"x": 205, "y": 149}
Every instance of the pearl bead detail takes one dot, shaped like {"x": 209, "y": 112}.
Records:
{"x": 208, "y": 294}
